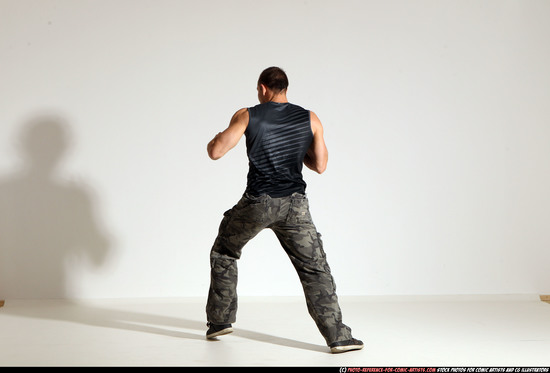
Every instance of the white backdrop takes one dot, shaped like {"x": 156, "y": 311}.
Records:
{"x": 436, "y": 115}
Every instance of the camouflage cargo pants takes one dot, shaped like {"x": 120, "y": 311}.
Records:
{"x": 290, "y": 219}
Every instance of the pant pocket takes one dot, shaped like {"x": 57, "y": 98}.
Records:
{"x": 299, "y": 212}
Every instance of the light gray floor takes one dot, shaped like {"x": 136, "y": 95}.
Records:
{"x": 411, "y": 331}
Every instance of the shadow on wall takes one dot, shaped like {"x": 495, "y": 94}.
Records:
{"x": 45, "y": 221}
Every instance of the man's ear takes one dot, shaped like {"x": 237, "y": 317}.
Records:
{"x": 263, "y": 88}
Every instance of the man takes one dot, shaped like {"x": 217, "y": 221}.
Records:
{"x": 280, "y": 138}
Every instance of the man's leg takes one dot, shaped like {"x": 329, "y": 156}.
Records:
{"x": 301, "y": 241}
{"x": 239, "y": 225}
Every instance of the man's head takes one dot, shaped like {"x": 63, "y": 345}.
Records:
{"x": 272, "y": 82}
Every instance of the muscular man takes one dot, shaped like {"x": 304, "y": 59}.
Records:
{"x": 280, "y": 138}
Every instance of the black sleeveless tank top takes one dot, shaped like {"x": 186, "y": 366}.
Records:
{"x": 277, "y": 139}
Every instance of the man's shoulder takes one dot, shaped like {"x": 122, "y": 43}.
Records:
{"x": 240, "y": 115}
{"x": 297, "y": 107}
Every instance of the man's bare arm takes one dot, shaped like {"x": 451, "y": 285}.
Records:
{"x": 316, "y": 157}
{"x": 226, "y": 140}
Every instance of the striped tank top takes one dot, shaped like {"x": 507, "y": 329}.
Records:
{"x": 277, "y": 139}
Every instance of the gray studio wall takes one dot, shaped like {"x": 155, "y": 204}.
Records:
{"x": 436, "y": 118}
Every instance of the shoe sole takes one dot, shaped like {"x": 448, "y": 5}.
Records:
{"x": 220, "y": 332}
{"x": 340, "y": 349}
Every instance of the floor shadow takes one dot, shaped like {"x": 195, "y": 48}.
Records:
{"x": 177, "y": 327}
{"x": 45, "y": 220}
{"x": 261, "y": 337}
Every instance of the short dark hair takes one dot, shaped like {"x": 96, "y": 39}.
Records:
{"x": 274, "y": 78}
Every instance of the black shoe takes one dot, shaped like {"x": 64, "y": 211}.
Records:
{"x": 344, "y": 346}
{"x": 215, "y": 330}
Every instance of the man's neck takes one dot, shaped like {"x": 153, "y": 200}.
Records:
{"x": 279, "y": 98}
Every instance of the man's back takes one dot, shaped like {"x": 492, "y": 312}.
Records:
{"x": 278, "y": 137}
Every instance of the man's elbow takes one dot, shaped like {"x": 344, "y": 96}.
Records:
{"x": 321, "y": 168}
{"x": 214, "y": 158}
{"x": 214, "y": 155}
{"x": 322, "y": 165}
{"x": 214, "y": 151}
